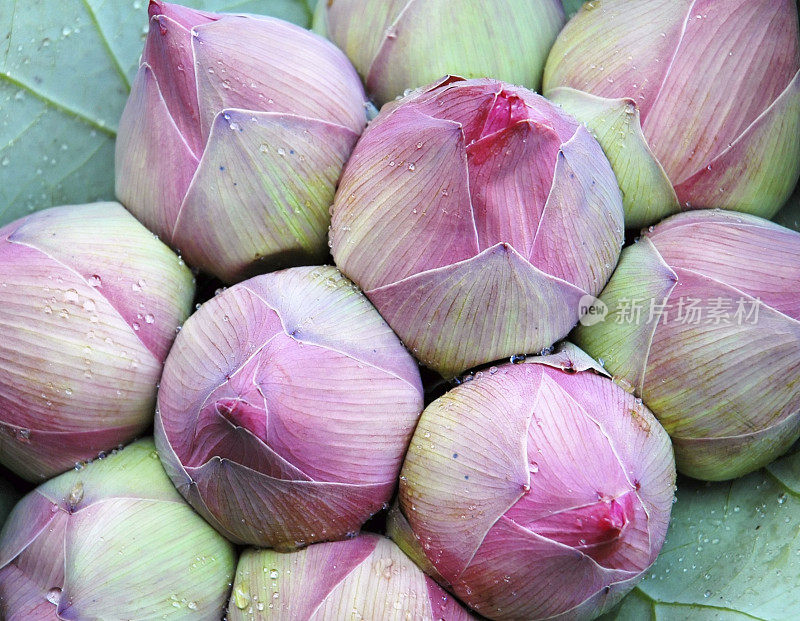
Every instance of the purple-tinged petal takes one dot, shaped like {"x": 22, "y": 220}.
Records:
{"x": 580, "y": 245}
{"x": 302, "y": 512}
{"x": 631, "y": 47}
{"x": 716, "y": 297}
{"x": 266, "y": 64}
{"x": 271, "y": 179}
{"x": 732, "y": 62}
{"x": 738, "y": 178}
{"x": 360, "y": 38}
{"x": 491, "y": 306}
{"x": 419, "y": 163}
{"x": 21, "y": 599}
{"x": 287, "y": 395}
{"x": 154, "y": 162}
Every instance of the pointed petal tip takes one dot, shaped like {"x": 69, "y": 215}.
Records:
{"x": 185, "y": 16}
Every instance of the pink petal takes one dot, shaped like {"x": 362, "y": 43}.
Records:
{"x": 513, "y": 307}
{"x": 419, "y": 165}
{"x": 169, "y": 55}
{"x": 121, "y": 262}
{"x": 300, "y": 511}
{"x": 37, "y": 453}
{"x": 444, "y": 605}
{"x": 266, "y": 64}
{"x": 581, "y": 225}
{"x": 732, "y": 44}
{"x": 471, "y": 461}
{"x": 757, "y": 172}
{"x": 269, "y": 179}
{"x": 630, "y": 46}
{"x": 728, "y": 402}
{"x": 342, "y": 320}
{"x": 303, "y": 588}
{"x": 184, "y": 16}
{"x": 154, "y": 163}
{"x": 730, "y": 248}
{"x": 204, "y": 355}
{"x": 510, "y": 174}
{"x": 27, "y": 522}
{"x": 21, "y": 599}
{"x": 333, "y": 417}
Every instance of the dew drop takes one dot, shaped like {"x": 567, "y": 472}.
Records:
{"x": 54, "y": 596}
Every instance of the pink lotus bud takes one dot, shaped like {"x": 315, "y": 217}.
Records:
{"x": 89, "y": 304}
{"x": 476, "y": 215}
{"x": 112, "y": 540}
{"x": 285, "y": 409}
{"x": 234, "y": 136}
{"x": 397, "y": 45}
{"x": 702, "y": 322}
{"x": 696, "y": 103}
{"x": 367, "y": 577}
{"x": 539, "y": 490}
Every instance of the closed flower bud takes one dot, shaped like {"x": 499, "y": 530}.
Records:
{"x": 476, "y": 216}
{"x": 396, "y": 45}
{"x": 703, "y": 323}
{"x": 112, "y": 540}
{"x": 285, "y": 409}
{"x": 540, "y": 490}
{"x": 233, "y": 139}
{"x": 696, "y": 104}
{"x": 89, "y": 304}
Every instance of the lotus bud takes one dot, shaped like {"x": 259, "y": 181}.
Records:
{"x": 233, "y": 139}
{"x": 398, "y": 45}
{"x": 696, "y": 103}
{"x": 89, "y": 305}
{"x": 367, "y": 577}
{"x": 701, "y": 321}
{"x": 113, "y": 540}
{"x": 285, "y": 409}
{"x": 539, "y": 490}
{"x": 476, "y": 215}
